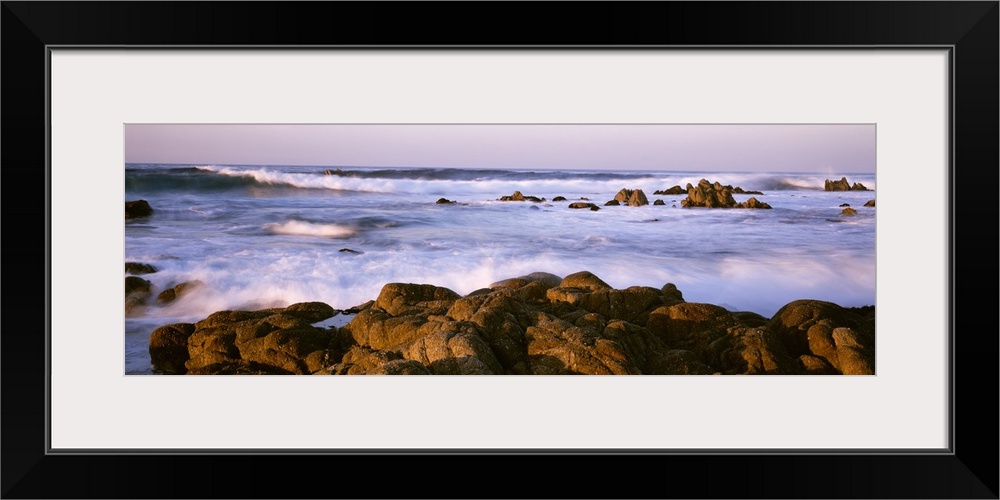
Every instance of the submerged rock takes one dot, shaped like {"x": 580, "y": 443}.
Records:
{"x": 870, "y": 203}
{"x": 136, "y": 268}
{"x": 171, "y": 294}
{"x": 137, "y": 292}
{"x": 582, "y": 204}
{"x": 137, "y": 208}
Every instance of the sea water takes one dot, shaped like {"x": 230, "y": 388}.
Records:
{"x": 269, "y": 236}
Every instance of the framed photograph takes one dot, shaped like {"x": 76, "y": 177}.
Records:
{"x": 664, "y": 210}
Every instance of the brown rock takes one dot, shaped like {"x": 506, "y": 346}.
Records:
{"x": 556, "y": 347}
{"x": 870, "y": 203}
{"x": 517, "y": 196}
{"x": 168, "y": 348}
{"x": 849, "y": 211}
{"x": 400, "y": 367}
{"x": 689, "y": 325}
{"x": 631, "y": 197}
{"x": 310, "y": 312}
{"x": 362, "y": 360}
{"x": 581, "y": 204}
{"x": 378, "y": 330}
{"x": 677, "y": 362}
{"x": 137, "y": 291}
{"x": 753, "y": 203}
{"x": 814, "y": 365}
{"x": 274, "y": 341}
{"x": 171, "y": 294}
{"x": 855, "y": 352}
{"x": 672, "y": 190}
{"x": 792, "y": 324}
{"x": 547, "y": 279}
{"x": 500, "y": 320}
{"x": 134, "y": 285}
{"x": 628, "y": 304}
{"x": 841, "y": 185}
{"x": 401, "y": 299}
{"x": 137, "y": 208}
{"x": 671, "y": 294}
{"x": 709, "y": 195}
{"x": 585, "y": 280}
{"x": 453, "y": 348}
{"x": 752, "y": 351}
{"x": 139, "y": 268}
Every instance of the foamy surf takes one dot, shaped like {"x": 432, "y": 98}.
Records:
{"x": 303, "y": 228}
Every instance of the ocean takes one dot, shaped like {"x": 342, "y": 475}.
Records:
{"x": 269, "y": 236}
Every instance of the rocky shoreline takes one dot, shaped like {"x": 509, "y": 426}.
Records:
{"x": 538, "y": 324}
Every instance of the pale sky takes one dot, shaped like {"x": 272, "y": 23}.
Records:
{"x": 751, "y": 148}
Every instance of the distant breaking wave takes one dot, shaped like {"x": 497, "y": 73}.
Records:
{"x": 491, "y": 183}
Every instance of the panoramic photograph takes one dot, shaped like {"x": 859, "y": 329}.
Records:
{"x": 499, "y": 249}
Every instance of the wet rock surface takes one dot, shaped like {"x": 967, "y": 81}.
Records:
{"x": 536, "y": 324}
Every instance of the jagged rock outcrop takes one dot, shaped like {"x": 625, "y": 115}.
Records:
{"x": 715, "y": 195}
{"x": 269, "y": 341}
{"x": 517, "y": 196}
{"x": 536, "y": 324}
{"x": 632, "y": 197}
{"x": 672, "y": 190}
{"x": 842, "y": 338}
{"x": 843, "y": 185}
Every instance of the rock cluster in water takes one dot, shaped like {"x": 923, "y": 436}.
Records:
{"x": 517, "y": 196}
{"x": 539, "y": 324}
{"x": 843, "y": 185}
{"x": 715, "y": 195}
{"x": 631, "y": 197}
{"x": 138, "y": 291}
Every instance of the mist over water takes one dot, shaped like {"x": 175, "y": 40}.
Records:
{"x": 272, "y": 236}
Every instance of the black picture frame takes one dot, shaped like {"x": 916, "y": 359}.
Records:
{"x": 969, "y": 28}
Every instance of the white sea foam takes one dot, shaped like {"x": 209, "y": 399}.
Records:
{"x": 303, "y": 228}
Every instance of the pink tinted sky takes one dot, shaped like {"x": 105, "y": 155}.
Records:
{"x": 847, "y": 148}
